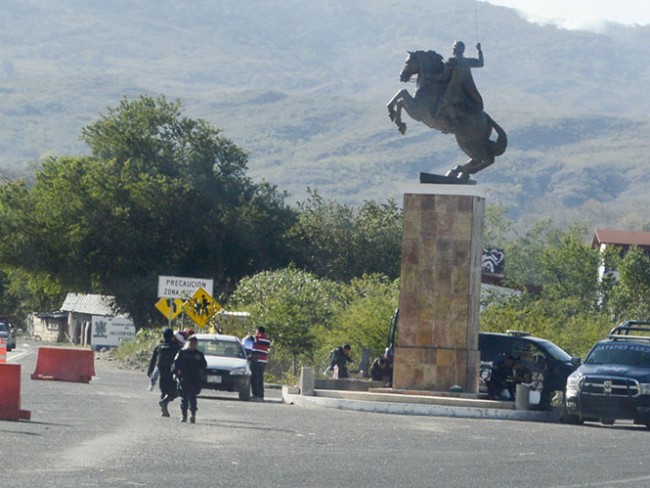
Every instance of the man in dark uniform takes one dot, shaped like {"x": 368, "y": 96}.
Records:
{"x": 340, "y": 357}
{"x": 163, "y": 358}
{"x": 189, "y": 368}
{"x": 381, "y": 370}
{"x": 502, "y": 380}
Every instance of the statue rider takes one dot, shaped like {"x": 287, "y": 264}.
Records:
{"x": 461, "y": 95}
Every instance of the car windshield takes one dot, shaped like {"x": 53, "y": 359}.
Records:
{"x": 555, "y": 351}
{"x": 622, "y": 354}
{"x": 4, "y": 327}
{"x": 218, "y": 347}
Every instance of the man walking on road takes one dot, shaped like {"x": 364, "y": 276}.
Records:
{"x": 189, "y": 367}
{"x": 163, "y": 358}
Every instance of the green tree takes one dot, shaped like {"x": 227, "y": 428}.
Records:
{"x": 160, "y": 194}
{"x": 341, "y": 242}
{"x": 570, "y": 269}
{"x": 364, "y": 318}
{"x": 556, "y": 273}
{"x": 497, "y": 226}
{"x": 293, "y": 305}
{"x": 629, "y": 295}
{"x": 557, "y": 260}
{"x": 22, "y": 293}
{"x": 556, "y": 320}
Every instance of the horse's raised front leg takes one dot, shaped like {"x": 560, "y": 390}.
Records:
{"x": 391, "y": 104}
{"x": 395, "y": 107}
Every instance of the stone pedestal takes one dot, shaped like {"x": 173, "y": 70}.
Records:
{"x": 440, "y": 288}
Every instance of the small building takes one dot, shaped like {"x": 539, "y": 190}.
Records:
{"x": 622, "y": 239}
{"x": 83, "y": 319}
{"x": 48, "y": 326}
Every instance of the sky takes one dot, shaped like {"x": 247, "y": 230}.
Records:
{"x": 590, "y": 15}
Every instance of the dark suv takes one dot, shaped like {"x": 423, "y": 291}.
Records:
{"x": 549, "y": 364}
{"x": 614, "y": 381}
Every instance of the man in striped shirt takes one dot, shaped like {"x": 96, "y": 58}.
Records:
{"x": 259, "y": 359}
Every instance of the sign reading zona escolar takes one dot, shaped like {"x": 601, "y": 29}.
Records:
{"x": 181, "y": 287}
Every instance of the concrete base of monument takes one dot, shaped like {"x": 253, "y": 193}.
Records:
{"x": 388, "y": 401}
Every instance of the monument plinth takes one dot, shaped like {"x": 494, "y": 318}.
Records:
{"x": 440, "y": 288}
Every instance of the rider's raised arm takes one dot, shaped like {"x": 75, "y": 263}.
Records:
{"x": 477, "y": 63}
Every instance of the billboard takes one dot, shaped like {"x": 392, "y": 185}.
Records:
{"x": 110, "y": 331}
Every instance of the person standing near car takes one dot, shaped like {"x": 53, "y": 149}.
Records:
{"x": 162, "y": 359}
{"x": 259, "y": 358}
{"x": 189, "y": 368}
{"x": 248, "y": 342}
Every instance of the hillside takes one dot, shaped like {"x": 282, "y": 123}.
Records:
{"x": 302, "y": 86}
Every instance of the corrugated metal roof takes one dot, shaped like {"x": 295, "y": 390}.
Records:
{"x": 620, "y": 238}
{"x": 89, "y": 304}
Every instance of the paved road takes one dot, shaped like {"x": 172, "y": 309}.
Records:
{"x": 109, "y": 433}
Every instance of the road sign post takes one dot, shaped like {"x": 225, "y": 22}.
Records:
{"x": 170, "y": 308}
{"x": 172, "y": 290}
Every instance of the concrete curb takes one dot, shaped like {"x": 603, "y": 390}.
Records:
{"x": 385, "y": 406}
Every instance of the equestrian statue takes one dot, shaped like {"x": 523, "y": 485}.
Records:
{"x": 446, "y": 99}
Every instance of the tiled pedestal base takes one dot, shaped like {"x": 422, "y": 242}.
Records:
{"x": 440, "y": 289}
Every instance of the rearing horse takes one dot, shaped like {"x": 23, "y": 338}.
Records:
{"x": 472, "y": 129}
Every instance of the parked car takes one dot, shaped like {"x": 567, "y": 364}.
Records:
{"x": 8, "y": 335}
{"x": 550, "y": 365}
{"x": 228, "y": 368}
{"x": 614, "y": 381}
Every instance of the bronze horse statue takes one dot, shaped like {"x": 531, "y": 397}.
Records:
{"x": 472, "y": 128}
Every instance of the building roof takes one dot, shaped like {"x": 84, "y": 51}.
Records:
{"x": 88, "y": 304}
{"x": 623, "y": 238}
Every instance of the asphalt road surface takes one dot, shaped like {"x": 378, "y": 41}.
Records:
{"x": 109, "y": 433}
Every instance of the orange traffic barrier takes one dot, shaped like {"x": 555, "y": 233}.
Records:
{"x": 64, "y": 364}
{"x": 3, "y": 352}
{"x": 10, "y": 398}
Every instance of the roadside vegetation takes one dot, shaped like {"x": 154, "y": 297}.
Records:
{"x": 162, "y": 194}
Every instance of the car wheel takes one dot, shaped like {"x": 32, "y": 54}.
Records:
{"x": 569, "y": 418}
{"x": 245, "y": 394}
{"x": 607, "y": 421}
{"x": 573, "y": 419}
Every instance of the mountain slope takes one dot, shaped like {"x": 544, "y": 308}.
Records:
{"x": 302, "y": 86}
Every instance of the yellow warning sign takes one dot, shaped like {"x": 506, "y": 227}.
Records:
{"x": 201, "y": 307}
{"x": 170, "y": 307}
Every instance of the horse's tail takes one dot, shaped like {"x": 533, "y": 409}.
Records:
{"x": 499, "y": 146}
